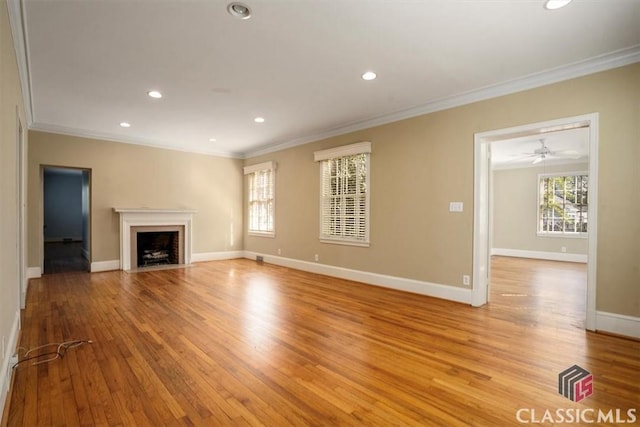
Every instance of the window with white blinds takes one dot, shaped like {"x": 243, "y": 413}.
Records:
{"x": 344, "y": 194}
{"x": 261, "y": 200}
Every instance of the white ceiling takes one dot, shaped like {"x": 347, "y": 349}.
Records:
{"x": 297, "y": 63}
{"x": 565, "y": 147}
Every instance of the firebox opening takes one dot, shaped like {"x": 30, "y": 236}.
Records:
{"x": 158, "y": 248}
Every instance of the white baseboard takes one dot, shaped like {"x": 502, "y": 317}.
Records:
{"x": 451, "y": 293}
{"x": 5, "y": 370}
{"x": 34, "y": 272}
{"x": 552, "y": 256}
{"x": 618, "y": 324}
{"x": 105, "y": 266}
{"x": 216, "y": 256}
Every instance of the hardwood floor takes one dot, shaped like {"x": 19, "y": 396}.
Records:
{"x": 241, "y": 343}
{"x": 64, "y": 257}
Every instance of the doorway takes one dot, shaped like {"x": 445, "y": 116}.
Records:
{"x": 66, "y": 214}
{"x": 483, "y": 200}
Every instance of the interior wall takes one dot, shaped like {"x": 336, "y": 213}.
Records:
{"x": 62, "y": 205}
{"x": 421, "y": 164}
{"x": 11, "y": 107}
{"x": 515, "y": 211}
{"x": 133, "y": 176}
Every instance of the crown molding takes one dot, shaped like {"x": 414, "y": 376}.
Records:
{"x": 21, "y": 46}
{"x": 593, "y": 65}
{"x": 81, "y": 133}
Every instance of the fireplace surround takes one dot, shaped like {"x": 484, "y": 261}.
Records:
{"x": 134, "y": 221}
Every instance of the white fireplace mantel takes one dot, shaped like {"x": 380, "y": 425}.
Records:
{"x": 137, "y": 217}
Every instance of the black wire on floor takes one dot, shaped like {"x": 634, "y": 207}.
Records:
{"x": 59, "y": 353}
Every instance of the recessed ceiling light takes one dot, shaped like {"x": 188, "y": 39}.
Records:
{"x": 154, "y": 94}
{"x": 556, "y": 4}
{"x": 239, "y": 10}
{"x": 125, "y": 125}
{"x": 212, "y": 140}
{"x": 259, "y": 120}
{"x": 369, "y": 75}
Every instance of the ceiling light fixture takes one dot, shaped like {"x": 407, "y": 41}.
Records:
{"x": 212, "y": 140}
{"x": 239, "y": 10}
{"x": 369, "y": 75}
{"x": 125, "y": 125}
{"x": 555, "y": 4}
{"x": 154, "y": 94}
{"x": 259, "y": 120}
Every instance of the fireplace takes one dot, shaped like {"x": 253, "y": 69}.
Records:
{"x": 156, "y": 246}
{"x": 153, "y": 237}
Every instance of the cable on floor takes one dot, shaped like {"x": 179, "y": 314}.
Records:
{"x": 59, "y": 352}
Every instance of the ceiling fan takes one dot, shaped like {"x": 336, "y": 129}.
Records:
{"x": 542, "y": 153}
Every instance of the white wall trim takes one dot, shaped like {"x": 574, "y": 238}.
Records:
{"x": 618, "y": 324}
{"x": 105, "y": 266}
{"x": 552, "y": 256}
{"x": 34, "y": 273}
{"x": 436, "y": 290}
{"x": 20, "y": 44}
{"x": 216, "y": 256}
{"x": 5, "y": 370}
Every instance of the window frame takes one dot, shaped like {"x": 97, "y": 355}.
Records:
{"x": 563, "y": 234}
{"x": 252, "y": 173}
{"x": 333, "y": 154}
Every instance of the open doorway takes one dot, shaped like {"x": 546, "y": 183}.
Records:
{"x": 483, "y": 199}
{"x": 66, "y": 234}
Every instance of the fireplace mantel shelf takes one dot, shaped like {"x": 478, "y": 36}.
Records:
{"x": 150, "y": 210}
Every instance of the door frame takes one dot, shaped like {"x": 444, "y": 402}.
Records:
{"x": 482, "y": 202}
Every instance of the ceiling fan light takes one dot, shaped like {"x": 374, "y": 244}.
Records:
{"x": 555, "y": 4}
{"x": 538, "y": 160}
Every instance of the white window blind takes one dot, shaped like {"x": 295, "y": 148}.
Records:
{"x": 261, "y": 198}
{"x": 344, "y": 194}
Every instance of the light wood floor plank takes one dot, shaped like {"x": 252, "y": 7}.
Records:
{"x": 237, "y": 343}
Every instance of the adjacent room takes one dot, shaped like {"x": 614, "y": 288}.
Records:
{"x": 319, "y": 213}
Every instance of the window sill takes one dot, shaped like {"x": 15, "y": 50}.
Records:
{"x": 345, "y": 242}
{"x": 565, "y": 235}
{"x": 262, "y": 234}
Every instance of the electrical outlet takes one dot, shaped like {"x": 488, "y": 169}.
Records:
{"x": 316, "y": 257}
{"x": 279, "y": 251}
{"x": 466, "y": 280}
{"x": 563, "y": 249}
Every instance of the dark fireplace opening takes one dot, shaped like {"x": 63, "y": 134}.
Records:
{"x": 158, "y": 248}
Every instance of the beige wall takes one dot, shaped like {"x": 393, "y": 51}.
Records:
{"x": 10, "y": 104}
{"x": 421, "y": 164}
{"x": 515, "y": 211}
{"x": 132, "y": 176}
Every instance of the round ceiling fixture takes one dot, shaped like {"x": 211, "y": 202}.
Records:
{"x": 125, "y": 124}
{"x": 556, "y": 4}
{"x": 239, "y": 10}
{"x": 154, "y": 94}
{"x": 369, "y": 75}
{"x": 259, "y": 120}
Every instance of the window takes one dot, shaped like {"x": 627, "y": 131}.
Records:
{"x": 261, "y": 198}
{"x": 563, "y": 204}
{"x": 344, "y": 194}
